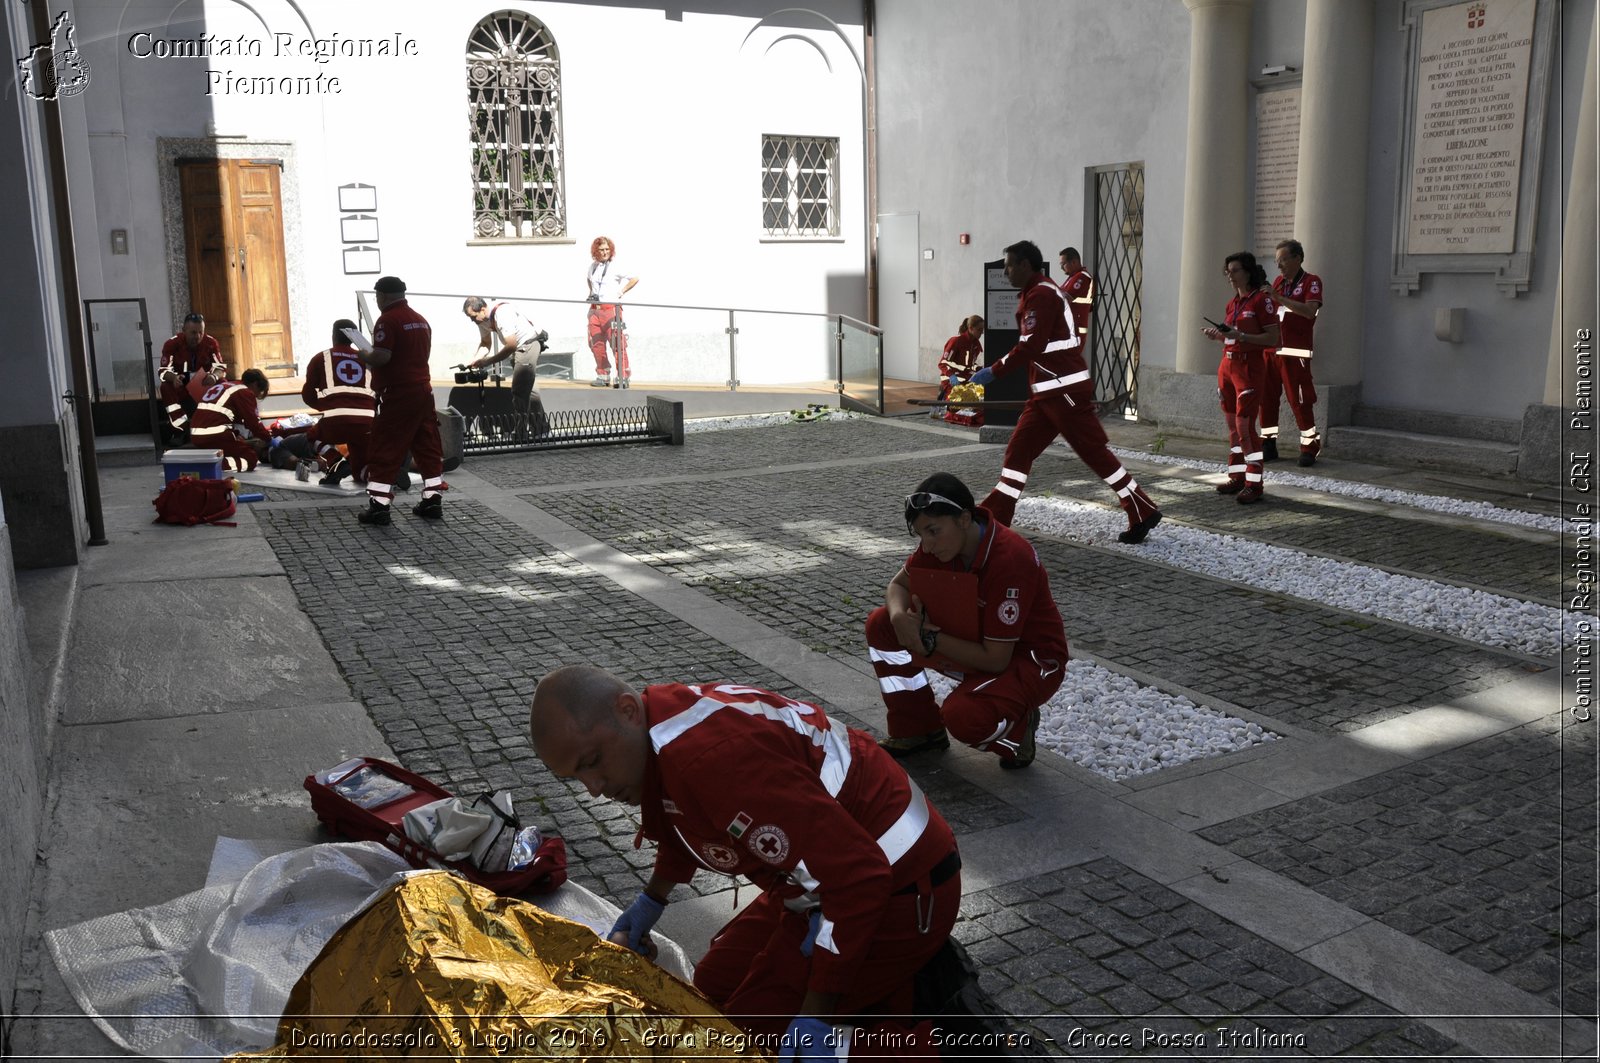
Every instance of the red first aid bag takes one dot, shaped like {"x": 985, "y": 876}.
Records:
{"x": 188, "y": 500}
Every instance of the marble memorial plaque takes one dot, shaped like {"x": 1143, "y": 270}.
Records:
{"x": 1277, "y": 168}
{"x": 1472, "y": 92}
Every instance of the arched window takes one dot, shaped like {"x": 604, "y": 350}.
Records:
{"x": 514, "y": 112}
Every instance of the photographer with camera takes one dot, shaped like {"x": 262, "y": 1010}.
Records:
{"x": 505, "y": 332}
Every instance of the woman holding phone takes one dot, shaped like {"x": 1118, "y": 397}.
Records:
{"x": 1248, "y": 327}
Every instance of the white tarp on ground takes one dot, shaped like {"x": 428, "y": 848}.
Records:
{"x": 208, "y": 973}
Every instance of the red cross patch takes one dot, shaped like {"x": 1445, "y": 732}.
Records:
{"x": 770, "y": 843}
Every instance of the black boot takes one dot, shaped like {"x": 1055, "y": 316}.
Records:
{"x": 1269, "y": 450}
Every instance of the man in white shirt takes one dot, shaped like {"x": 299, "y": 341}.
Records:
{"x": 607, "y": 286}
{"x": 505, "y": 332}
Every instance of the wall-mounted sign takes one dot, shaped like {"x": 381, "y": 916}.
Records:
{"x": 362, "y": 259}
{"x": 354, "y": 197}
{"x": 358, "y": 229}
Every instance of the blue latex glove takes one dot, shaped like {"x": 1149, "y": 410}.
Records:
{"x": 637, "y": 921}
{"x": 982, "y": 376}
{"x": 277, "y": 441}
{"x": 809, "y": 1038}
{"x": 955, "y": 381}
{"x": 811, "y": 935}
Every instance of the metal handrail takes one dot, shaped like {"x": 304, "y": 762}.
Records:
{"x": 632, "y": 303}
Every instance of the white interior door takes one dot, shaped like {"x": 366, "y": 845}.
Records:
{"x": 899, "y": 281}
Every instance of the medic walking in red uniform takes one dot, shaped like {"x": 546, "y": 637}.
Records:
{"x": 1248, "y": 328}
{"x": 860, "y": 874}
{"x": 1061, "y": 399}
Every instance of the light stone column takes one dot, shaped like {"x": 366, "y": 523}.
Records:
{"x": 1330, "y": 206}
{"x": 1575, "y": 293}
{"x": 1216, "y": 170}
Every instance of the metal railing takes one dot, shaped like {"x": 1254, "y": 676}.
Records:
{"x": 706, "y": 346}
{"x": 505, "y": 433}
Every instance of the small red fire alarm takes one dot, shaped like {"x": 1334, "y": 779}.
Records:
{"x": 965, "y": 238}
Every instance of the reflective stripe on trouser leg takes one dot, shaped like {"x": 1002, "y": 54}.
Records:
{"x": 434, "y": 485}
{"x": 383, "y": 494}
{"x": 1252, "y": 467}
{"x": 903, "y": 683}
{"x": 1309, "y": 436}
{"x": 1130, "y": 496}
{"x": 1235, "y": 466}
{"x": 1269, "y": 432}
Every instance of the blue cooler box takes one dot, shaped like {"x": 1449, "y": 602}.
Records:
{"x": 195, "y": 464}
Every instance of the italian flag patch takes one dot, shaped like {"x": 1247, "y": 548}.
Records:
{"x": 740, "y": 824}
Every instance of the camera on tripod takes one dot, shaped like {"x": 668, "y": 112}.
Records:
{"x": 464, "y": 375}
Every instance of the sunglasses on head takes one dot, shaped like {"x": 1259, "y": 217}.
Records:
{"x": 921, "y": 500}
{"x": 194, "y": 319}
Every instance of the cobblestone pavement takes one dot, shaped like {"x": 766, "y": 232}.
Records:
{"x": 794, "y": 548}
{"x": 1486, "y": 852}
{"x": 1100, "y": 957}
{"x": 1505, "y": 564}
{"x": 442, "y": 630}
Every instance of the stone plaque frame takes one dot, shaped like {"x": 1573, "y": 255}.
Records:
{"x": 1510, "y": 270}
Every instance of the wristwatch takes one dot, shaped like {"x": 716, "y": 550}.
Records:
{"x": 930, "y": 640}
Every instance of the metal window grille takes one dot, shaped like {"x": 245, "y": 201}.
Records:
{"x": 1119, "y": 266}
{"x": 799, "y": 185}
{"x": 514, "y": 117}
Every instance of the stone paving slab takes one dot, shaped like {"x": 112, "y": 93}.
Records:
{"x": 809, "y": 552}
{"x": 1486, "y": 853}
{"x": 454, "y": 624}
{"x": 1098, "y": 959}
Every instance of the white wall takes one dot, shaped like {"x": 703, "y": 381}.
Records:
{"x": 662, "y": 120}
{"x": 989, "y": 115}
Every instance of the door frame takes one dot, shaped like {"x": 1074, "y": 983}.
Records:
{"x": 302, "y": 334}
{"x": 886, "y": 295}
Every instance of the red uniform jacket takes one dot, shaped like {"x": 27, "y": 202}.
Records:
{"x": 406, "y": 335}
{"x": 1014, "y": 600}
{"x": 225, "y": 405}
{"x": 338, "y": 384}
{"x": 963, "y": 356}
{"x": 745, "y": 782}
{"x": 1080, "y": 296}
{"x": 1296, "y": 330}
{"x": 1048, "y": 345}
{"x": 177, "y": 356}
{"x": 1248, "y": 314}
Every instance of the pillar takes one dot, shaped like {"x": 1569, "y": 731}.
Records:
{"x": 1330, "y": 206}
{"x": 1575, "y": 299}
{"x": 1216, "y": 171}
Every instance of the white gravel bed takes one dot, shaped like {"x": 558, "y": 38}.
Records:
{"x": 757, "y": 420}
{"x": 1477, "y": 616}
{"x": 1114, "y": 727}
{"x": 1354, "y": 489}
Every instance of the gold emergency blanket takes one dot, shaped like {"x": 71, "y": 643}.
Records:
{"x": 441, "y": 968}
{"x": 965, "y": 393}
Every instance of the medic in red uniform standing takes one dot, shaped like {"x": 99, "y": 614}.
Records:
{"x": 1248, "y": 328}
{"x": 1061, "y": 399}
{"x": 860, "y": 874}
{"x": 1079, "y": 286}
{"x": 1299, "y": 298}
{"x": 406, "y": 418}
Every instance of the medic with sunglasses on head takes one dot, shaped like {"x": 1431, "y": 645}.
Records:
{"x": 1002, "y": 679}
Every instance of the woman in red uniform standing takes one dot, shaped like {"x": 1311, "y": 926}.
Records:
{"x": 1249, "y": 326}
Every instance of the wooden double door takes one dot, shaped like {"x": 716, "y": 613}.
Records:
{"x": 233, "y": 236}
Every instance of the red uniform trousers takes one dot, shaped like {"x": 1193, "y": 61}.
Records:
{"x": 353, "y": 432}
{"x": 754, "y": 970}
{"x": 1042, "y": 420}
{"x": 605, "y": 326}
{"x": 1239, "y": 380}
{"x": 179, "y": 402}
{"x": 237, "y": 455}
{"x": 1292, "y": 377}
{"x": 405, "y": 422}
{"x": 981, "y": 711}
